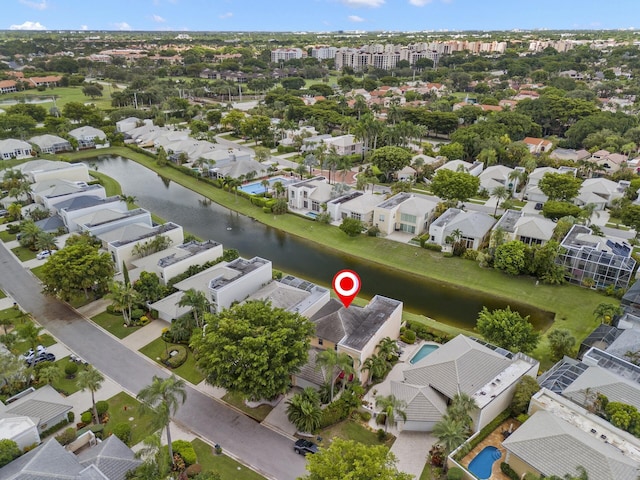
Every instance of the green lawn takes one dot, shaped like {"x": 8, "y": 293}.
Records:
{"x": 37, "y": 271}
{"x": 2, "y": 294}
{"x": 45, "y": 340}
{"x": 572, "y": 305}
{"x": 13, "y": 313}
{"x": 65, "y": 95}
{"x": 7, "y": 237}
{"x": 259, "y": 413}
{"x": 114, "y": 324}
{"x": 80, "y": 299}
{"x": 225, "y": 466}
{"x": 187, "y": 370}
{"x": 111, "y": 187}
{"x": 123, "y": 408}
{"x": 430, "y": 473}
{"x": 352, "y": 430}
{"x": 67, "y": 386}
{"x": 24, "y": 253}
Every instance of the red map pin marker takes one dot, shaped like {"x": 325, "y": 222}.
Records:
{"x": 346, "y": 284}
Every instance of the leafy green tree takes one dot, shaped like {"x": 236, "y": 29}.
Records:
{"x": 348, "y": 459}
{"x": 630, "y": 216}
{"x": 9, "y": 451}
{"x": 555, "y": 210}
{"x": 544, "y": 266}
{"x": 29, "y": 233}
{"x": 49, "y": 374}
{"x": 390, "y": 159}
{"x": 351, "y": 227}
{"x": 303, "y": 410}
{"x": 453, "y": 151}
{"x": 454, "y": 186}
{"x": 511, "y": 257}
{"x": 525, "y": 389}
{"x": 256, "y": 127}
{"x": 253, "y": 349}
{"x": 77, "y": 267}
{"x": 560, "y": 186}
{"x": 149, "y": 287}
{"x": 507, "y": 329}
{"x": 392, "y": 408}
{"x": 91, "y": 379}
{"x": 156, "y": 464}
{"x": 561, "y": 343}
{"x": 162, "y": 398}
{"x": 605, "y": 312}
{"x": 30, "y": 333}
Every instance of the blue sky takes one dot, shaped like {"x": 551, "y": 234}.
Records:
{"x": 316, "y": 15}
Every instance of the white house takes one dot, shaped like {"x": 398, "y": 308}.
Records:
{"x": 11, "y": 148}
{"x": 532, "y": 192}
{"x": 404, "y": 212}
{"x": 38, "y": 171}
{"x": 496, "y": 176}
{"x": 51, "y": 143}
{"x": 50, "y": 193}
{"x": 344, "y": 144}
{"x": 83, "y": 205}
{"x": 474, "y": 227}
{"x": 87, "y": 136}
{"x": 309, "y": 194}
{"x": 357, "y": 205}
{"x": 127, "y": 124}
{"x": 21, "y": 429}
{"x": 531, "y": 230}
{"x": 44, "y": 406}
{"x": 474, "y": 168}
{"x": 106, "y": 219}
{"x": 601, "y": 192}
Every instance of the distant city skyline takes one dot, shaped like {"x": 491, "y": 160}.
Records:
{"x": 317, "y": 15}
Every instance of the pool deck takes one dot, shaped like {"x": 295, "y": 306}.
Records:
{"x": 494, "y": 439}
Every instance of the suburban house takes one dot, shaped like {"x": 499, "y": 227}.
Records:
{"x": 110, "y": 459}
{"x": 497, "y": 176}
{"x": 51, "y": 143}
{"x": 223, "y": 284}
{"x": 356, "y": 331}
{"x": 52, "y": 192}
{"x": 531, "y": 230}
{"x": 488, "y": 374}
{"x": 561, "y": 436}
{"x": 532, "y": 192}
{"x": 570, "y": 154}
{"x": 44, "y": 406}
{"x": 309, "y": 194}
{"x": 473, "y": 228}
{"x": 537, "y": 145}
{"x": 48, "y": 81}
{"x": 37, "y": 171}
{"x": 88, "y": 136}
{"x": 233, "y": 164}
{"x": 11, "y": 148}
{"x": 175, "y": 260}
{"x": 404, "y": 212}
{"x": 8, "y": 86}
{"x": 129, "y": 123}
{"x": 601, "y": 192}
{"x": 357, "y": 205}
{"x": 77, "y": 207}
{"x": 21, "y": 429}
{"x": 474, "y": 168}
{"x": 123, "y": 242}
{"x": 407, "y": 174}
{"x": 344, "y": 144}
{"x": 610, "y": 162}
{"x": 597, "y": 262}
{"x": 104, "y": 220}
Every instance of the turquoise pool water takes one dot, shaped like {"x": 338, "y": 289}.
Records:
{"x": 313, "y": 215}
{"x": 481, "y": 465}
{"x": 423, "y": 352}
{"x": 256, "y": 187}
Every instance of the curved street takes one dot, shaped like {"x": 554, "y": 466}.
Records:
{"x": 265, "y": 450}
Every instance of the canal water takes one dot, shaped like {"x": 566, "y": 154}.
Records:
{"x": 442, "y": 302}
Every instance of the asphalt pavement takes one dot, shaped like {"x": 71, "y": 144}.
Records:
{"x": 262, "y": 448}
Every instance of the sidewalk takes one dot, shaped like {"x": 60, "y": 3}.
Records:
{"x": 145, "y": 335}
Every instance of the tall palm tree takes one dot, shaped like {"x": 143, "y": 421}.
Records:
{"x": 265, "y": 184}
{"x": 46, "y": 241}
{"x": 156, "y": 465}
{"x": 30, "y": 333}
{"x": 451, "y": 432}
{"x": 124, "y": 298}
{"x": 388, "y": 348}
{"x": 198, "y": 302}
{"x": 377, "y": 366}
{"x": 29, "y": 232}
{"x": 90, "y": 379}
{"x": 501, "y": 193}
{"x": 303, "y": 410}
{"x": 310, "y": 161}
{"x": 329, "y": 360}
{"x": 392, "y": 408}
{"x": 162, "y": 398}
{"x": 278, "y": 188}
{"x": 461, "y": 407}
{"x": 15, "y": 211}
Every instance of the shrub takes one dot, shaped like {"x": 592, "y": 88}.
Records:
{"x": 136, "y": 313}
{"x": 351, "y": 227}
{"x": 53, "y": 429}
{"x": 455, "y": 473}
{"x": 123, "y": 432}
{"x": 373, "y": 231}
{"x": 432, "y": 246}
{"x": 523, "y": 417}
{"x": 66, "y": 437}
{"x": 324, "y": 218}
{"x": 266, "y": 209}
{"x": 381, "y": 435}
{"x": 381, "y": 419}
{"x": 365, "y": 416}
{"x": 185, "y": 450}
{"x": 86, "y": 417}
{"x": 508, "y": 471}
{"x": 71, "y": 416}
{"x": 409, "y": 336}
{"x": 193, "y": 470}
{"x": 71, "y": 369}
{"x": 470, "y": 254}
{"x": 112, "y": 310}
{"x": 102, "y": 407}
{"x": 177, "y": 359}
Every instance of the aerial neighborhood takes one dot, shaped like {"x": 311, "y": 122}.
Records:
{"x": 174, "y": 208}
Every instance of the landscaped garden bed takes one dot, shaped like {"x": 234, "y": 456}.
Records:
{"x": 159, "y": 348}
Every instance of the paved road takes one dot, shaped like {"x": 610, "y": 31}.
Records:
{"x": 267, "y": 451}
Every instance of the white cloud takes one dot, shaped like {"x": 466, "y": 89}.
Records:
{"x": 122, "y": 26}
{"x": 355, "y": 18}
{"x": 42, "y": 5}
{"x": 84, "y": 27}
{"x": 28, "y": 26}
{"x": 419, "y": 3}
{"x": 158, "y": 18}
{"x": 363, "y": 3}
{"x": 226, "y": 15}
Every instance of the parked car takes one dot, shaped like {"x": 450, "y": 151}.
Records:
{"x": 44, "y": 357}
{"x": 28, "y": 355}
{"x": 3, "y": 213}
{"x": 538, "y": 206}
{"x": 45, "y": 254}
{"x": 302, "y": 447}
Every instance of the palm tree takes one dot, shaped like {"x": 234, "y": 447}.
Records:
{"x": 451, "y": 432}
{"x": 29, "y": 232}
{"x": 162, "y": 398}
{"x": 388, "y": 348}
{"x": 30, "y": 333}
{"x": 128, "y": 199}
{"x": 461, "y": 407}
{"x": 46, "y": 241}
{"x": 124, "y": 298}
{"x": 91, "y": 379}
{"x": 310, "y": 161}
{"x": 265, "y": 184}
{"x": 501, "y": 193}
{"x": 392, "y": 408}
{"x": 344, "y": 164}
{"x": 49, "y": 374}
{"x": 156, "y": 464}
{"x": 278, "y": 187}
{"x": 377, "y": 366}
{"x": 605, "y": 312}
{"x": 15, "y": 211}
{"x": 328, "y": 360}
{"x": 198, "y": 302}
{"x": 587, "y": 212}
{"x": 303, "y": 410}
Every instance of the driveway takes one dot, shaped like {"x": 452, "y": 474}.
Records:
{"x": 267, "y": 451}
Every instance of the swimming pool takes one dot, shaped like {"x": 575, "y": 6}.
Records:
{"x": 425, "y": 350}
{"x": 313, "y": 215}
{"x": 255, "y": 188}
{"x": 481, "y": 465}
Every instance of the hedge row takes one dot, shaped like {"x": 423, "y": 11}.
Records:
{"x": 484, "y": 433}
{"x": 174, "y": 361}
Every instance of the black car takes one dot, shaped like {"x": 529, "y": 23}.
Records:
{"x": 43, "y": 357}
{"x": 302, "y": 447}
{"x": 538, "y": 206}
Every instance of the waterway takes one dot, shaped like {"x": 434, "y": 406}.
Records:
{"x": 442, "y": 302}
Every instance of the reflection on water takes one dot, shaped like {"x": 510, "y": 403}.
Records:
{"x": 446, "y": 303}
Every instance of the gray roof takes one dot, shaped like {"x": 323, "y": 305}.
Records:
{"x": 112, "y": 457}
{"x": 310, "y": 373}
{"x": 598, "y": 379}
{"x": 85, "y": 201}
{"x": 49, "y": 461}
{"x": 51, "y": 224}
{"x": 555, "y": 447}
{"x": 424, "y": 404}
{"x": 42, "y": 405}
{"x": 627, "y": 341}
{"x": 48, "y": 140}
{"x": 460, "y": 365}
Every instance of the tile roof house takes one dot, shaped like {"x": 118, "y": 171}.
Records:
{"x": 404, "y": 212}
{"x": 532, "y": 192}
{"x": 474, "y": 168}
{"x": 80, "y": 206}
{"x": 111, "y": 456}
{"x": 309, "y": 194}
{"x": 473, "y": 226}
{"x": 45, "y": 407}
{"x": 12, "y": 148}
{"x": 601, "y": 192}
{"x": 610, "y": 162}
{"x": 87, "y": 136}
{"x": 8, "y": 86}
{"x": 46, "y": 170}
{"x": 52, "y": 192}
{"x": 537, "y": 145}
{"x": 531, "y": 230}
{"x": 496, "y": 176}
{"x": 486, "y": 373}
{"x": 357, "y": 205}
{"x": 51, "y": 143}
{"x": 570, "y": 154}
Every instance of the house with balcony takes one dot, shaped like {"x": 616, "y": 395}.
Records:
{"x": 530, "y": 230}
{"x": 14, "y": 149}
{"x": 76, "y": 207}
{"x": 51, "y": 143}
{"x": 486, "y": 373}
{"x": 596, "y": 262}
{"x": 470, "y": 228}
{"x": 8, "y": 86}
{"x": 309, "y": 195}
{"x": 88, "y": 137}
{"x": 357, "y": 205}
{"x": 404, "y": 212}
